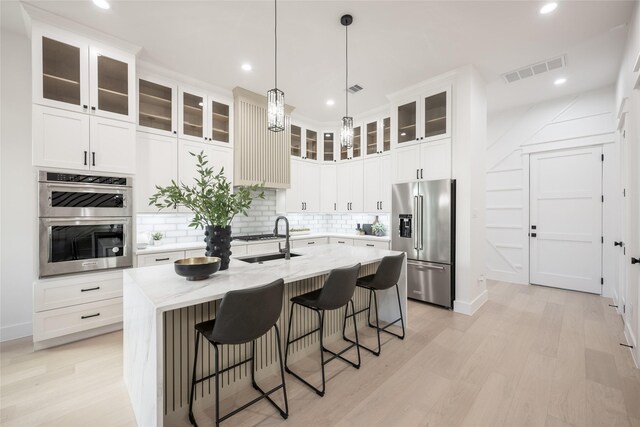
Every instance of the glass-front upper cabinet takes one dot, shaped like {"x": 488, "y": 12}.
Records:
{"x": 219, "y": 122}
{"x": 436, "y": 115}
{"x": 328, "y": 147}
{"x": 428, "y": 118}
{"x": 192, "y": 116}
{"x": 356, "y": 151}
{"x": 112, "y": 84}
{"x": 296, "y": 141}
{"x": 157, "y": 107}
{"x": 311, "y": 146}
{"x": 372, "y": 138}
{"x": 62, "y": 72}
{"x": 407, "y": 120}
{"x": 386, "y": 134}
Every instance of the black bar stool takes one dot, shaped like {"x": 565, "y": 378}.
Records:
{"x": 385, "y": 277}
{"x": 243, "y": 317}
{"x": 337, "y": 292}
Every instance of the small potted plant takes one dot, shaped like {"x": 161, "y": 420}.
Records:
{"x": 157, "y": 237}
{"x": 378, "y": 229}
{"x": 214, "y": 205}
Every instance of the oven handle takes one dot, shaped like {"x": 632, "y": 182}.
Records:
{"x": 88, "y": 188}
{"x": 48, "y": 222}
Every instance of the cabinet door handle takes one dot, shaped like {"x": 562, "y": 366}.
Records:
{"x": 90, "y": 289}
{"x": 421, "y": 170}
{"x": 85, "y": 106}
{"x": 93, "y": 158}
{"x": 370, "y": 245}
{"x": 310, "y": 243}
{"x": 635, "y": 260}
{"x": 380, "y": 205}
{"x": 340, "y": 241}
{"x": 618, "y": 244}
{"x": 90, "y": 315}
{"x": 85, "y": 158}
{"x": 335, "y": 207}
{"x": 174, "y": 132}
{"x": 93, "y": 108}
{"x": 162, "y": 259}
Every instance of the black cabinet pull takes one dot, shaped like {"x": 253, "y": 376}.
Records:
{"x": 380, "y": 205}
{"x": 162, "y": 259}
{"x": 370, "y": 245}
{"x": 533, "y": 227}
{"x": 85, "y": 106}
{"x": 93, "y": 158}
{"x": 635, "y": 260}
{"x": 618, "y": 244}
{"x": 533, "y": 234}
{"x": 85, "y": 158}
{"x": 90, "y": 289}
{"x": 340, "y": 241}
{"x": 417, "y": 173}
{"x": 93, "y": 108}
{"x": 174, "y": 132}
{"x": 310, "y": 243}
{"x": 90, "y": 315}
{"x": 421, "y": 170}
{"x": 335, "y": 206}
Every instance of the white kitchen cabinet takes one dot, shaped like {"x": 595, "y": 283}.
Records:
{"x": 426, "y": 161}
{"x": 203, "y": 117}
{"x": 377, "y": 136}
{"x": 157, "y": 105}
{"x": 424, "y": 118}
{"x": 57, "y": 293}
{"x": 340, "y": 241}
{"x": 157, "y": 164}
{"x": 328, "y": 189}
{"x": 195, "y": 253}
{"x": 304, "y": 193}
{"x": 147, "y": 260}
{"x": 76, "y": 74}
{"x": 71, "y": 140}
{"x": 112, "y": 145}
{"x": 355, "y": 152}
{"x": 370, "y": 244}
{"x": 304, "y": 142}
{"x": 377, "y": 184}
{"x": 302, "y": 243}
{"x": 60, "y": 138}
{"x": 329, "y": 151}
{"x": 350, "y": 186}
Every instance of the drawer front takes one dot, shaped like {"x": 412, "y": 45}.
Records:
{"x": 239, "y": 250}
{"x": 69, "y": 320}
{"x": 340, "y": 241}
{"x": 262, "y": 248}
{"x": 371, "y": 244}
{"x": 57, "y": 295}
{"x": 159, "y": 259}
{"x": 194, "y": 253}
{"x": 308, "y": 242}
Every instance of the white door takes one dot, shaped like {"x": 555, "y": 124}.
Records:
{"x": 311, "y": 186}
{"x": 357, "y": 186}
{"x": 385, "y": 183}
{"x": 566, "y": 219}
{"x": 60, "y": 138}
{"x": 328, "y": 189}
{"x": 406, "y": 164}
{"x": 343, "y": 177}
{"x": 157, "y": 164}
{"x": 294, "y": 201}
{"x": 112, "y": 84}
{"x": 113, "y": 145}
{"x": 435, "y": 160}
{"x": 372, "y": 183}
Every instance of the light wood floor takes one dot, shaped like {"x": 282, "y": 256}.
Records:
{"x": 531, "y": 356}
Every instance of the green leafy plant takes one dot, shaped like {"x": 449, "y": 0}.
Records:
{"x": 378, "y": 228}
{"x": 157, "y": 236}
{"x": 211, "y": 198}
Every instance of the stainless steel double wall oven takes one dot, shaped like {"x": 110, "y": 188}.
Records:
{"x": 85, "y": 222}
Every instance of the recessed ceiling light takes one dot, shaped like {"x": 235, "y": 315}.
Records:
{"x": 560, "y": 81}
{"x": 102, "y": 4}
{"x": 548, "y": 8}
{"x": 247, "y": 67}
{"x": 330, "y": 102}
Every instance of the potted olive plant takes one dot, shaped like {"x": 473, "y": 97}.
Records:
{"x": 214, "y": 205}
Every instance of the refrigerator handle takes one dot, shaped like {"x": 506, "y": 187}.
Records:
{"x": 415, "y": 222}
{"x": 421, "y": 207}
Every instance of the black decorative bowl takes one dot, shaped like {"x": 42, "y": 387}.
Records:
{"x": 198, "y": 268}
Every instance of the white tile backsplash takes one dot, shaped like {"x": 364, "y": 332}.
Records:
{"x": 261, "y": 218}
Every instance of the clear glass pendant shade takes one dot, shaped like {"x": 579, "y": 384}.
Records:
{"x": 346, "y": 132}
{"x": 275, "y": 110}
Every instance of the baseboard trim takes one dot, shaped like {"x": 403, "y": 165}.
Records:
{"x": 19, "y": 330}
{"x": 469, "y": 308}
{"x": 631, "y": 340}
{"x": 66, "y": 339}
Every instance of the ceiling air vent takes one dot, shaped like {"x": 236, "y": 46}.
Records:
{"x": 355, "y": 89}
{"x": 535, "y": 69}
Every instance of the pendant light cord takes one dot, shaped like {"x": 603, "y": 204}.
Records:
{"x": 346, "y": 79}
{"x": 275, "y": 36}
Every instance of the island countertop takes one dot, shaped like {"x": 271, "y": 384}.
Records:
{"x": 165, "y": 290}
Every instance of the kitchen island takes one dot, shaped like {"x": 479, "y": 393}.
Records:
{"x": 160, "y": 309}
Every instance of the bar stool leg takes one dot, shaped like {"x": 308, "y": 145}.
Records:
{"x": 217, "y": 382}
{"x": 355, "y": 330}
{"x": 400, "y": 310}
{"x": 286, "y": 350}
{"x": 321, "y": 318}
{"x": 192, "y": 419}
{"x": 284, "y": 414}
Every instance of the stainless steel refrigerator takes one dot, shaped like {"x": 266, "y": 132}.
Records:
{"x": 423, "y": 226}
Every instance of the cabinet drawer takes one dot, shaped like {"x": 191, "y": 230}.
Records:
{"x": 69, "y": 320}
{"x": 194, "y": 253}
{"x": 308, "y": 242}
{"x": 371, "y": 244}
{"x": 340, "y": 241}
{"x": 239, "y": 250}
{"x": 159, "y": 259}
{"x": 48, "y": 296}
{"x": 262, "y": 248}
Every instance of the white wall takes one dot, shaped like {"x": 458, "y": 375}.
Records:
{"x": 578, "y": 120}
{"x": 17, "y": 188}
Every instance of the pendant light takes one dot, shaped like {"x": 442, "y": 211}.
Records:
{"x": 346, "y": 133}
{"x": 275, "y": 97}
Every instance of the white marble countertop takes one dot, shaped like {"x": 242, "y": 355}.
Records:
{"x": 165, "y": 290}
{"x": 170, "y": 247}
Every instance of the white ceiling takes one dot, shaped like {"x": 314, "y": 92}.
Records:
{"x": 393, "y": 44}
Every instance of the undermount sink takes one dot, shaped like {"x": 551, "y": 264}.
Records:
{"x": 262, "y": 258}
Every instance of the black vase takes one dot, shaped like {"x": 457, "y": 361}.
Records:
{"x": 218, "y": 240}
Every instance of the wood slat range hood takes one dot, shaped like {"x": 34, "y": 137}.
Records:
{"x": 259, "y": 154}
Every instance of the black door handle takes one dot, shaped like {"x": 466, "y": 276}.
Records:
{"x": 93, "y": 108}
{"x": 93, "y": 158}
{"x": 533, "y": 234}
{"x": 533, "y": 227}
{"x": 85, "y": 158}
{"x": 635, "y": 260}
{"x": 421, "y": 170}
{"x": 417, "y": 173}
{"x": 621, "y": 244}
